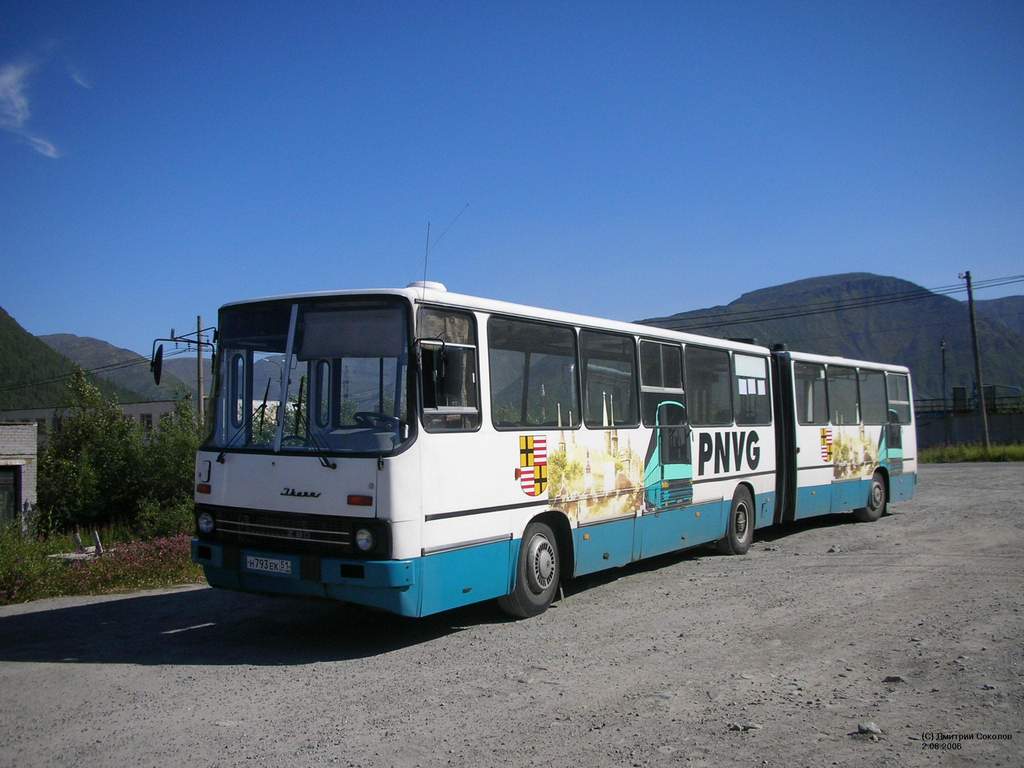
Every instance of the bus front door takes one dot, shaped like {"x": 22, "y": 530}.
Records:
{"x": 668, "y": 480}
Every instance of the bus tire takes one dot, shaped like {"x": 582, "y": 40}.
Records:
{"x": 537, "y": 573}
{"x": 876, "y": 501}
{"x": 740, "y": 533}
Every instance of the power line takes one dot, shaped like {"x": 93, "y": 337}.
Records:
{"x": 108, "y": 368}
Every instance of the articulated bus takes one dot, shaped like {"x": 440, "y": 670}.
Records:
{"x": 415, "y": 450}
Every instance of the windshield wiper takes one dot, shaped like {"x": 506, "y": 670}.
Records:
{"x": 260, "y": 409}
{"x": 321, "y": 448}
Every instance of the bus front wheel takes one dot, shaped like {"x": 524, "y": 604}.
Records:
{"x": 537, "y": 573}
{"x": 876, "y": 501}
{"x": 740, "y": 533}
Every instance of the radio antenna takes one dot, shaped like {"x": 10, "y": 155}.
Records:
{"x": 426, "y": 253}
{"x": 440, "y": 237}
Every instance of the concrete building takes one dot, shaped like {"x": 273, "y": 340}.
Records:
{"x": 18, "y": 464}
{"x": 147, "y": 414}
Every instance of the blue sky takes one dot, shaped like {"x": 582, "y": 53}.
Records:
{"x": 624, "y": 160}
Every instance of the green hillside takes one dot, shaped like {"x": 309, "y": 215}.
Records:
{"x": 907, "y": 332}
{"x": 32, "y": 375}
{"x": 124, "y": 368}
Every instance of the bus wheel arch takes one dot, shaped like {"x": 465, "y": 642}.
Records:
{"x": 739, "y": 531}
{"x": 878, "y": 498}
{"x": 540, "y": 565}
{"x": 558, "y": 522}
{"x": 885, "y": 480}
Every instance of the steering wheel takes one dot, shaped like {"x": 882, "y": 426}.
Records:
{"x": 293, "y": 440}
{"x": 373, "y": 419}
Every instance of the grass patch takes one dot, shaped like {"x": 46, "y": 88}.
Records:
{"x": 26, "y": 573}
{"x": 953, "y": 453}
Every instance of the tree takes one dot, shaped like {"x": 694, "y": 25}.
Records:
{"x": 101, "y": 468}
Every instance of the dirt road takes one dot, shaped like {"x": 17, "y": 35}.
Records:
{"x": 652, "y": 665}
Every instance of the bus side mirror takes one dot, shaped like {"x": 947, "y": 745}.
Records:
{"x": 156, "y": 365}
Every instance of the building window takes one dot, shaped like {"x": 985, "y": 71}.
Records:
{"x": 533, "y": 374}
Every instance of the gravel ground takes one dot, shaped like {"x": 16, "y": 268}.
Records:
{"x": 772, "y": 659}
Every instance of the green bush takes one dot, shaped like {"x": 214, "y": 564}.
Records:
{"x": 971, "y": 452}
{"x": 27, "y": 573}
{"x": 156, "y": 519}
{"x": 100, "y": 469}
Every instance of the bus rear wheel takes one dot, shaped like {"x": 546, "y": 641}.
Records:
{"x": 740, "y": 533}
{"x": 876, "y": 501}
{"x": 537, "y": 573}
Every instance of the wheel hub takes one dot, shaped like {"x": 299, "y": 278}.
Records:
{"x": 876, "y": 495}
{"x": 740, "y": 526}
{"x": 540, "y": 560}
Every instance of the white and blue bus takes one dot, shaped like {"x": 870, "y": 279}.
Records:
{"x": 415, "y": 450}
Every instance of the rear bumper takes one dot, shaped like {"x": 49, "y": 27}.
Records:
{"x": 390, "y": 585}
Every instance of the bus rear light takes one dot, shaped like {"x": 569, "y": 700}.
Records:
{"x": 203, "y": 488}
{"x": 360, "y": 501}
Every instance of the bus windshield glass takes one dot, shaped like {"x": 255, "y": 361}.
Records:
{"x": 323, "y": 376}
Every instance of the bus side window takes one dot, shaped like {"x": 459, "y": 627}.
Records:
{"x": 609, "y": 380}
{"x": 750, "y": 389}
{"x": 872, "y": 396}
{"x": 449, "y": 381}
{"x": 533, "y": 377}
{"x": 661, "y": 377}
{"x": 323, "y": 389}
{"x": 708, "y": 386}
{"x": 899, "y": 397}
{"x": 811, "y": 404}
{"x": 842, "y": 395}
{"x": 673, "y": 434}
{"x": 238, "y": 407}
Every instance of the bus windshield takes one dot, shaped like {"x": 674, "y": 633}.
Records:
{"x": 320, "y": 376}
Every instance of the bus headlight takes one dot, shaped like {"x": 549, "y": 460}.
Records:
{"x": 364, "y": 540}
{"x": 205, "y": 522}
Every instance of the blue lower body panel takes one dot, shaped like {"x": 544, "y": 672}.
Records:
{"x": 902, "y": 487}
{"x": 765, "y": 509}
{"x": 847, "y": 495}
{"x": 691, "y": 526}
{"x": 850, "y": 494}
{"x": 415, "y": 587}
{"x": 603, "y": 545}
{"x": 813, "y": 500}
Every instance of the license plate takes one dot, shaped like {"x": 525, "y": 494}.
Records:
{"x": 268, "y": 565}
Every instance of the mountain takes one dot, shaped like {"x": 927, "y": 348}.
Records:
{"x": 891, "y": 320}
{"x": 32, "y": 375}
{"x": 1008, "y": 310}
{"x": 124, "y": 368}
{"x": 182, "y": 368}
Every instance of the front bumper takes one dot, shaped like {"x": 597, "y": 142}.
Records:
{"x": 390, "y": 585}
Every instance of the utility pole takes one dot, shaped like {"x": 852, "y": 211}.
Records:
{"x": 200, "y": 400}
{"x": 977, "y": 357}
{"x": 945, "y": 410}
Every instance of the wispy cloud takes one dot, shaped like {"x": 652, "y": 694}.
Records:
{"x": 79, "y": 78}
{"x": 15, "y": 110}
